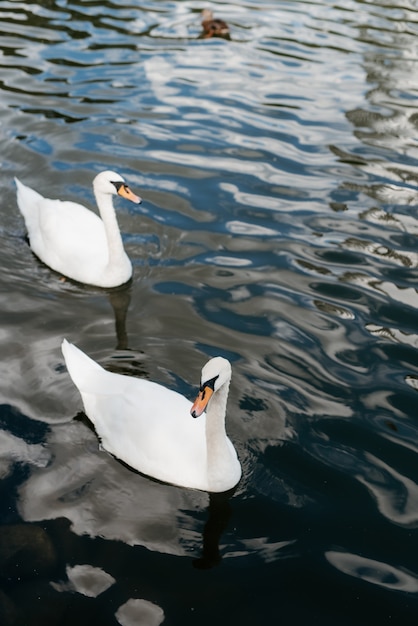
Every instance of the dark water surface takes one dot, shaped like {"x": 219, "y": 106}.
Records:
{"x": 279, "y": 229}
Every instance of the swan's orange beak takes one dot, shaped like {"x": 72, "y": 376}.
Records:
{"x": 125, "y": 192}
{"x": 201, "y": 401}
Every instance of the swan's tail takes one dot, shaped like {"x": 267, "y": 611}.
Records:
{"x": 27, "y": 201}
{"x": 87, "y": 375}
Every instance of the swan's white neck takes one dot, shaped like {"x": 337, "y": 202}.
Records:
{"x": 114, "y": 238}
{"x": 219, "y": 456}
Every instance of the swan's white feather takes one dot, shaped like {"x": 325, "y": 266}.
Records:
{"x": 70, "y": 239}
{"x": 147, "y": 426}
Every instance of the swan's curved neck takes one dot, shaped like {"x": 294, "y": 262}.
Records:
{"x": 108, "y": 215}
{"x": 218, "y": 452}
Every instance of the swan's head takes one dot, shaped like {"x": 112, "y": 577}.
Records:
{"x": 215, "y": 373}
{"x": 112, "y": 183}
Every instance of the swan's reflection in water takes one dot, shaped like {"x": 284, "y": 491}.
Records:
{"x": 103, "y": 498}
{"x": 120, "y": 298}
{"x": 219, "y": 512}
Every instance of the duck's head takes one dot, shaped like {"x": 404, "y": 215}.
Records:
{"x": 207, "y": 15}
{"x": 109, "y": 182}
{"x": 215, "y": 373}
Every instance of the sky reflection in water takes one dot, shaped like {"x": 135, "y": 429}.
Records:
{"x": 278, "y": 228}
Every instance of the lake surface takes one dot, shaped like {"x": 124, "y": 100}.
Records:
{"x": 278, "y": 228}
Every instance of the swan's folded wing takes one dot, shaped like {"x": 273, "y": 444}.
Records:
{"x": 71, "y": 230}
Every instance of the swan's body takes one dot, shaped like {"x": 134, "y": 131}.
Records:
{"x": 73, "y": 240}
{"x": 150, "y": 427}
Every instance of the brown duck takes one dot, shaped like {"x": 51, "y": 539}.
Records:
{"x": 213, "y": 27}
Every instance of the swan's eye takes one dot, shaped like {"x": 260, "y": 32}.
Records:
{"x": 209, "y": 383}
{"x": 118, "y": 184}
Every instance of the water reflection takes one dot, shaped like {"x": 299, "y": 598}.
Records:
{"x": 85, "y": 579}
{"x": 14, "y": 449}
{"x": 120, "y": 299}
{"x": 410, "y": 339}
{"x": 136, "y": 611}
{"x": 103, "y": 498}
{"x": 382, "y": 459}
{"x": 373, "y": 571}
{"x": 280, "y": 174}
{"x": 36, "y": 359}
{"x": 396, "y": 495}
{"x": 219, "y": 512}
{"x": 385, "y": 126}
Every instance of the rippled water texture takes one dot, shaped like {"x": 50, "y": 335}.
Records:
{"x": 278, "y": 228}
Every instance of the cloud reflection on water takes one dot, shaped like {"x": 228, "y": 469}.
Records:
{"x": 373, "y": 571}
{"x": 279, "y": 227}
{"x": 102, "y": 498}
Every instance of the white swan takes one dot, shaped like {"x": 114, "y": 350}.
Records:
{"x": 149, "y": 426}
{"x": 73, "y": 240}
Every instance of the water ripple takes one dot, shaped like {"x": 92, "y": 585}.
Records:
{"x": 373, "y": 571}
{"x": 278, "y": 228}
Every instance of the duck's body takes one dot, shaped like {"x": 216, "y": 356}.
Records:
{"x": 74, "y": 241}
{"x": 213, "y": 27}
{"x": 150, "y": 427}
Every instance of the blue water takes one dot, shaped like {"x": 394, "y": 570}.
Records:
{"x": 278, "y": 228}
